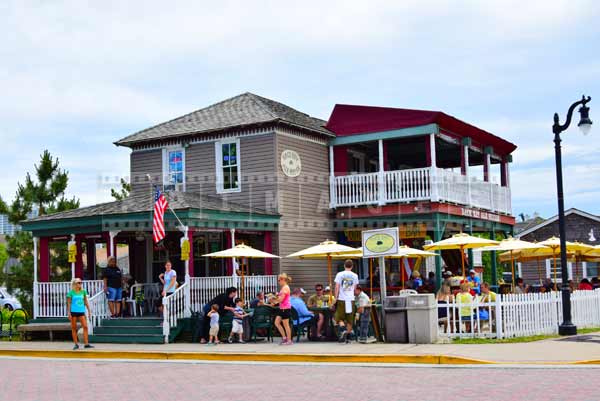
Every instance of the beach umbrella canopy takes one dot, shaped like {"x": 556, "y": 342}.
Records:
{"x": 241, "y": 251}
{"x": 460, "y": 241}
{"x": 326, "y": 250}
{"x": 511, "y": 245}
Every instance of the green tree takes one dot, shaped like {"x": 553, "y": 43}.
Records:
{"x": 47, "y": 193}
{"x": 123, "y": 192}
{"x": 3, "y": 256}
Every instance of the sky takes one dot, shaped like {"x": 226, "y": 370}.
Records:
{"x": 76, "y": 76}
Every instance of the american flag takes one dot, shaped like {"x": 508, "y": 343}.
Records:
{"x": 158, "y": 222}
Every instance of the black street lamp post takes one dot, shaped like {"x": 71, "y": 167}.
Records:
{"x": 585, "y": 124}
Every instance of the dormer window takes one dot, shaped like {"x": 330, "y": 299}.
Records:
{"x": 227, "y": 155}
{"x": 174, "y": 169}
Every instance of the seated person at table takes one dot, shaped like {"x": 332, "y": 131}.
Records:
{"x": 363, "y": 310}
{"x": 298, "y": 304}
{"x": 258, "y": 301}
{"x": 487, "y": 295}
{"x": 474, "y": 281}
{"x": 464, "y": 297}
{"x": 318, "y": 300}
{"x": 417, "y": 282}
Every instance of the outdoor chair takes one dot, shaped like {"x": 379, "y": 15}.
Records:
{"x": 225, "y": 325}
{"x": 300, "y": 328}
{"x": 262, "y": 319}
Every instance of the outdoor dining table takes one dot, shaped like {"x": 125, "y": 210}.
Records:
{"x": 328, "y": 313}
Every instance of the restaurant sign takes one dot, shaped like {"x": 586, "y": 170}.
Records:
{"x": 380, "y": 242}
{"x": 478, "y": 214}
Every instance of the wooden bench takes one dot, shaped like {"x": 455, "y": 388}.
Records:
{"x": 49, "y": 327}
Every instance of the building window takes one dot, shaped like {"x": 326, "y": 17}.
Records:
{"x": 591, "y": 269}
{"x": 228, "y": 166}
{"x": 174, "y": 169}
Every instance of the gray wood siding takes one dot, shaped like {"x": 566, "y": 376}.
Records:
{"x": 142, "y": 163}
{"x": 303, "y": 203}
{"x": 257, "y": 158}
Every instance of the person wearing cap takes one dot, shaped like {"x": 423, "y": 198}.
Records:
{"x": 298, "y": 304}
{"x": 447, "y": 276}
{"x": 474, "y": 281}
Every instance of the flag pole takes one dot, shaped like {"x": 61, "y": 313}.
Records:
{"x": 183, "y": 227}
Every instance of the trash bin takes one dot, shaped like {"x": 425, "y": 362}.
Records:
{"x": 395, "y": 322}
{"x": 421, "y": 311}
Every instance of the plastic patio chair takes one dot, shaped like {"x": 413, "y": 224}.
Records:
{"x": 225, "y": 325}
{"x": 300, "y": 328}
{"x": 262, "y": 318}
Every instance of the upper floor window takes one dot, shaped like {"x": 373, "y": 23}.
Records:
{"x": 228, "y": 166}
{"x": 174, "y": 169}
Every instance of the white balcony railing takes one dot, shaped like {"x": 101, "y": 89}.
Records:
{"x": 419, "y": 184}
{"x": 51, "y": 297}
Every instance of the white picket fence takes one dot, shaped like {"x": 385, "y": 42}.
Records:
{"x": 517, "y": 315}
{"x": 204, "y": 289}
{"x": 51, "y": 298}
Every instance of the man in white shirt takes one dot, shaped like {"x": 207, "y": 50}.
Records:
{"x": 345, "y": 283}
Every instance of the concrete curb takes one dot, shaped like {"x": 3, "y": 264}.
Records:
{"x": 276, "y": 358}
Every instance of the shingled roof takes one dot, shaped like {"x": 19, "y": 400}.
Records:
{"x": 243, "y": 110}
{"x": 143, "y": 203}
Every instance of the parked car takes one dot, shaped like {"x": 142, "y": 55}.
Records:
{"x": 8, "y": 301}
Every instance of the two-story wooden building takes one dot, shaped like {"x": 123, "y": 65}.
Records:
{"x": 249, "y": 169}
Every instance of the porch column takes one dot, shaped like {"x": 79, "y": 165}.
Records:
{"x": 332, "y": 194}
{"x": 44, "y": 260}
{"x": 230, "y": 242}
{"x": 113, "y": 245}
{"x": 191, "y": 261}
{"x": 432, "y": 163}
{"x": 340, "y": 165}
{"x": 187, "y": 234}
{"x": 79, "y": 258}
{"x": 504, "y": 172}
{"x": 494, "y": 266}
{"x": 438, "y": 233}
{"x": 486, "y": 163}
{"x": 268, "y": 247}
{"x": 381, "y": 176}
{"x": 464, "y": 165}
{"x": 35, "y": 278}
{"x": 90, "y": 247}
{"x": 69, "y": 243}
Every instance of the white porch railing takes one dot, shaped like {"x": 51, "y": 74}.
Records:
{"x": 416, "y": 185}
{"x": 204, "y": 289}
{"x": 99, "y": 310}
{"x": 51, "y": 297}
{"x": 518, "y": 315}
{"x": 173, "y": 309}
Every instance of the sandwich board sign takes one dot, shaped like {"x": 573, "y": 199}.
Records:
{"x": 380, "y": 242}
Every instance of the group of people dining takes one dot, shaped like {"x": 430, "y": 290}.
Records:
{"x": 340, "y": 308}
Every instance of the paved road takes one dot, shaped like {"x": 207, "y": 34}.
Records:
{"x": 65, "y": 380}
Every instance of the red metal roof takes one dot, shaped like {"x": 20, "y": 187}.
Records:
{"x": 348, "y": 119}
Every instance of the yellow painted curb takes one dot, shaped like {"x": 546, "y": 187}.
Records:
{"x": 247, "y": 357}
{"x": 276, "y": 358}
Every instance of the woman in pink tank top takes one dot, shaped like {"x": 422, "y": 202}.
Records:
{"x": 284, "y": 313}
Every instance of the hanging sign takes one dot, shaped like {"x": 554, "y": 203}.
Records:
{"x": 72, "y": 248}
{"x": 185, "y": 249}
{"x": 416, "y": 230}
{"x": 380, "y": 242}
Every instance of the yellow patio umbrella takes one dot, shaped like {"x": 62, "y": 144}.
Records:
{"x": 405, "y": 252}
{"x": 511, "y": 245}
{"x": 242, "y": 252}
{"x": 554, "y": 244}
{"x": 460, "y": 241}
{"x": 327, "y": 250}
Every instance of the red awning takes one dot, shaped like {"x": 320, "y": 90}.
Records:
{"x": 353, "y": 119}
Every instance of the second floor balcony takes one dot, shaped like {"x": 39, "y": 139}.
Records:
{"x": 419, "y": 184}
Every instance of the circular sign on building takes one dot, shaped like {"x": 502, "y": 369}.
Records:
{"x": 291, "y": 163}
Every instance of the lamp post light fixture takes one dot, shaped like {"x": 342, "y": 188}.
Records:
{"x": 585, "y": 124}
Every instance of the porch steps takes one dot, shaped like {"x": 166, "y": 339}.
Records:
{"x": 132, "y": 331}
